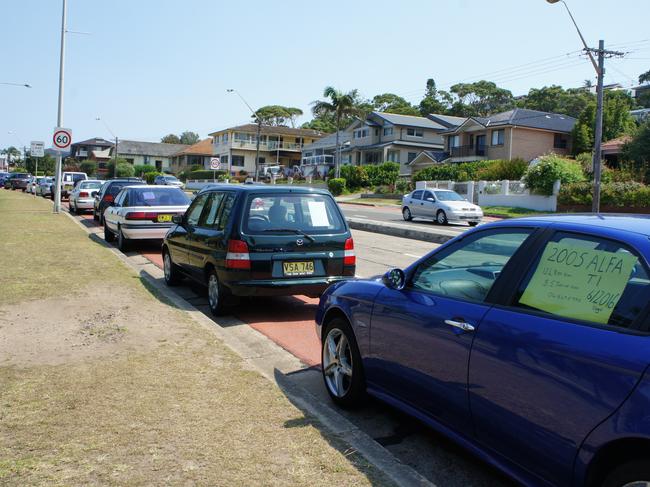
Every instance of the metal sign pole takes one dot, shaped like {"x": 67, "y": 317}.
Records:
{"x": 59, "y": 118}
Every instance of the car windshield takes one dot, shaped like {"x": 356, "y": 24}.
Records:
{"x": 448, "y": 196}
{"x": 291, "y": 212}
{"x": 20, "y": 174}
{"x": 90, "y": 185}
{"x": 171, "y": 178}
{"x": 152, "y": 196}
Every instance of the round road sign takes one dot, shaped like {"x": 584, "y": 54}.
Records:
{"x": 62, "y": 138}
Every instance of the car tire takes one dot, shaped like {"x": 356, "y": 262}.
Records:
{"x": 122, "y": 241}
{"x": 108, "y": 235}
{"x": 216, "y": 293}
{"x": 406, "y": 214}
{"x": 342, "y": 369}
{"x": 441, "y": 218}
{"x": 172, "y": 272}
{"x": 636, "y": 472}
{"x": 472, "y": 224}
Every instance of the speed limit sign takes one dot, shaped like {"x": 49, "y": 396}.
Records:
{"x": 62, "y": 138}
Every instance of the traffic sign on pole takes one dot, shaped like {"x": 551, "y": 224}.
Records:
{"x": 215, "y": 163}
{"x": 37, "y": 149}
{"x": 62, "y": 138}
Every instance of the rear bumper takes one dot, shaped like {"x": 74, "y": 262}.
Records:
{"x": 84, "y": 204}
{"x": 142, "y": 231}
{"x": 284, "y": 287}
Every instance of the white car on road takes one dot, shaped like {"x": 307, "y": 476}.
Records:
{"x": 143, "y": 212}
{"x": 82, "y": 196}
{"x": 440, "y": 205}
{"x": 167, "y": 180}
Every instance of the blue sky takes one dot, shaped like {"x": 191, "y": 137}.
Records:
{"x": 154, "y": 67}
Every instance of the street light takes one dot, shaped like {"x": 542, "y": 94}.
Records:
{"x": 116, "y": 141}
{"x": 259, "y": 129}
{"x": 598, "y": 132}
{"x": 16, "y": 84}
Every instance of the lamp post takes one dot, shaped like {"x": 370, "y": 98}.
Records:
{"x": 116, "y": 141}
{"x": 259, "y": 129}
{"x": 59, "y": 114}
{"x": 25, "y": 85}
{"x": 598, "y": 131}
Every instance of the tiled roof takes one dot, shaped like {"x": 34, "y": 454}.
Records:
{"x": 409, "y": 120}
{"x": 134, "y": 147}
{"x": 202, "y": 148}
{"x": 522, "y": 117}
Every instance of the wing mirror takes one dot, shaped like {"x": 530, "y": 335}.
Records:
{"x": 433, "y": 200}
{"x": 177, "y": 219}
{"x": 394, "y": 279}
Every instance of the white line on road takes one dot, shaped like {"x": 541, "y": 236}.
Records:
{"x": 414, "y": 256}
{"x": 360, "y": 216}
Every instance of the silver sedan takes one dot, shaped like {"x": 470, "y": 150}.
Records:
{"x": 83, "y": 195}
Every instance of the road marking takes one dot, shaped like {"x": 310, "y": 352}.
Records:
{"x": 414, "y": 256}
{"x": 360, "y": 216}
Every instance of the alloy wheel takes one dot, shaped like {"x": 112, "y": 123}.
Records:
{"x": 337, "y": 363}
{"x": 406, "y": 214}
{"x": 167, "y": 266}
{"x": 213, "y": 291}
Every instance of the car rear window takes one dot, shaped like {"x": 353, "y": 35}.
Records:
{"x": 90, "y": 185}
{"x": 158, "y": 197}
{"x": 284, "y": 212}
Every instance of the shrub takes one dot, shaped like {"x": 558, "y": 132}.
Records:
{"x": 403, "y": 186}
{"x": 336, "y": 186}
{"x": 124, "y": 170}
{"x": 205, "y": 174}
{"x": 356, "y": 177}
{"x": 196, "y": 167}
{"x": 630, "y": 194}
{"x": 151, "y": 175}
{"x": 541, "y": 177}
{"x": 143, "y": 169}
{"x": 89, "y": 167}
{"x": 501, "y": 169}
{"x": 384, "y": 174}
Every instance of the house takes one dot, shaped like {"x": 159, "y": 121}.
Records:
{"x": 612, "y": 149}
{"x": 383, "y": 137}
{"x": 516, "y": 133}
{"x": 318, "y": 157}
{"x": 236, "y": 146}
{"x": 427, "y": 158}
{"x": 154, "y": 153}
{"x": 196, "y": 154}
{"x": 84, "y": 150}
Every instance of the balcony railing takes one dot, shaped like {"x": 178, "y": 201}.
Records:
{"x": 468, "y": 151}
{"x": 266, "y": 146}
{"x": 322, "y": 159}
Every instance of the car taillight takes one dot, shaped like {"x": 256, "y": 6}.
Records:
{"x": 108, "y": 197}
{"x": 83, "y": 194}
{"x": 238, "y": 256}
{"x": 349, "y": 258}
{"x": 140, "y": 215}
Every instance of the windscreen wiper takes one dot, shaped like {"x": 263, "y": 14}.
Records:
{"x": 291, "y": 230}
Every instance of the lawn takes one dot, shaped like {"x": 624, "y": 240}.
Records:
{"x": 507, "y": 212}
{"x": 101, "y": 383}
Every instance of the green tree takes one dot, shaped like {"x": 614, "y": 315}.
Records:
{"x": 140, "y": 169}
{"x": 645, "y": 77}
{"x": 171, "y": 139}
{"x": 46, "y": 164}
{"x": 637, "y": 150}
{"x": 89, "y": 167}
{"x": 556, "y": 99}
{"x": 12, "y": 153}
{"x": 434, "y": 101}
{"x": 189, "y": 138}
{"x": 120, "y": 168}
{"x": 481, "y": 98}
{"x": 341, "y": 106}
{"x": 278, "y": 115}
{"x": 391, "y": 103}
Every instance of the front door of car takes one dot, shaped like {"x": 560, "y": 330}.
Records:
{"x": 415, "y": 203}
{"x": 208, "y": 236}
{"x": 428, "y": 204}
{"x": 179, "y": 238}
{"x": 421, "y": 336}
{"x": 560, "y": 355}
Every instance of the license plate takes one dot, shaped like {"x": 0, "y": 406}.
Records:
{"x": 298, "y": 268}
{"x": 164, "y": 218}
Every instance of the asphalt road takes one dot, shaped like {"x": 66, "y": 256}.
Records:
{"x": 288, "y": 321}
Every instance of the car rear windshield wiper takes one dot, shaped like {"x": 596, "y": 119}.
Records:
{"x": 291, "y": 230}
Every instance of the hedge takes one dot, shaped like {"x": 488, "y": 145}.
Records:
{"x": 336, "y": 186}
{"x": 205, "y": 174}
{"x": 492, "y": 170}
{"x": 150, "y": 176}
{"x": 630, "y": 194}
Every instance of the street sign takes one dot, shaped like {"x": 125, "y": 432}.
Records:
{"x": 62, "y": 138}
{"x": 37, "y": 149}
{"x": 215, "y": 163}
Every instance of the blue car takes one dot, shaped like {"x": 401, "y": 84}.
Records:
{"x": 526, "y": 341}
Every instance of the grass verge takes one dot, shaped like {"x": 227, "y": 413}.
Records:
{"x": 507, "y": 212}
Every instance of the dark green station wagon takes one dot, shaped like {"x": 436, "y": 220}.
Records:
{"x": 257, "y": 240}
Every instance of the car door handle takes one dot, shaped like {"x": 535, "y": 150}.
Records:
{"x": 460, "y": 324}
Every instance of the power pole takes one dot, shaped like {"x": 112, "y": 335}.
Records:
{"x": 115, "y": 159}
{"x": 257, "y": 149}
{"x": 59, "y": 116}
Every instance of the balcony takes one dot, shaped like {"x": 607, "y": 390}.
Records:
{"x": 316, "y": 160}
{"x": 469, "y": 152}
{"x": 274, "y": 146}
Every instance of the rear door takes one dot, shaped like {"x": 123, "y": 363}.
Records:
{"x": 562, "y": 352}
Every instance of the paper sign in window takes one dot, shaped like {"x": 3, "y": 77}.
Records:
{"x": 576, "y": 282}
{"x": 318, "y": 214}
{"x": 148, "y": 195}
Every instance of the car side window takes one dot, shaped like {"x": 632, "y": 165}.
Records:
{"x": 417, "y": 195}
{"x": 125, "y": 198}
{"x": 195, "y": 209}
{"x": 586, "y": 278}
{"x": 427, "y": 195}
{"x": 468, "y": 269}
{"x": 226, "y": 211}
{"x": 211, "y": 213}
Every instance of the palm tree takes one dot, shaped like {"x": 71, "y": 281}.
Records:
{"x": 340, "y": 106}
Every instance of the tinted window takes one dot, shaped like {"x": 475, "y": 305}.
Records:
{"x": 90, "y": 185}
{"x": 428, "y": 194}
{"x": 115, "y": 188}
{"x": 194, "y": 211}
{"x": 226, "y": 211}
{"x": 468, "y": 269}
{"x": 152, "y": 196}
{"x": 310, "y": 213}
{"x": 211, "y": 213}
{"x": 587, "y": 278}
{"x": 417, "y": 195}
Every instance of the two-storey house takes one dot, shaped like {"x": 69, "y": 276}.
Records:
{"x": 90, "y": 149}
{"x": 236, "y": 146}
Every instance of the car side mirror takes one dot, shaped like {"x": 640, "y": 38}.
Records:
{"x": 93, "y": 194}
{"x": 394, "y": 279}
{"x": 177, "y": 219}
{"x": 433, "y": 200}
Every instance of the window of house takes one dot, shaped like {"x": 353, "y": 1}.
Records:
{"x": 498, "y": 137}
{"x": 454, "y": 141}
{"x": 224, "y": 160}
{"x": 393, "y": 156}
{"x": 388, "y": 131}
{"x": 411, "y": 156}
{"x": 225, "y": 138}
{"x": 129, "y": 160}
{"x": 262, "y": 160}
{"x": 415, "y": 132}
{"x": 376, "y": 132}
{"x": 560, "y": 141}
{"x": 373, "y": 157}
{"x": 237, "y": 160}
{"x": 360, "y": 133}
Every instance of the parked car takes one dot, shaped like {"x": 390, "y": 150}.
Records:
{"x": 33, "y": 184}
{"x": 266, "y": 173}
{"x": 68, "y": 180}
{"x": 142, "y": 213}
{"x": 3, "y": 178}
{"x": 44, "y": 188}
{"x": 107, "y": 194}
{"x": 167, "y": 180}
{"x": 526, "y": 341}
{"x": 82, "y": 196}
{"x": 440, "y": 205}
{"x": 18, "y": 180}
{"x": 249, "y": 240}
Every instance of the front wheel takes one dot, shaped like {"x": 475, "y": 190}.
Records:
{"x": 472, "y": 224}
{"x": 172, "y": 273}
{"x": 216, "y": 293}
{"x": 406, "y": 214}
{"x": 441, "y": 217}
{"x": 342, "y": 369}
{"x": 631, "y": 474}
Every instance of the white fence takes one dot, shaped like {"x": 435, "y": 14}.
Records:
{"x": 512, "y": 194}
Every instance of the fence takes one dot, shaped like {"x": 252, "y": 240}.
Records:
{"x": 512, "y": 194}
